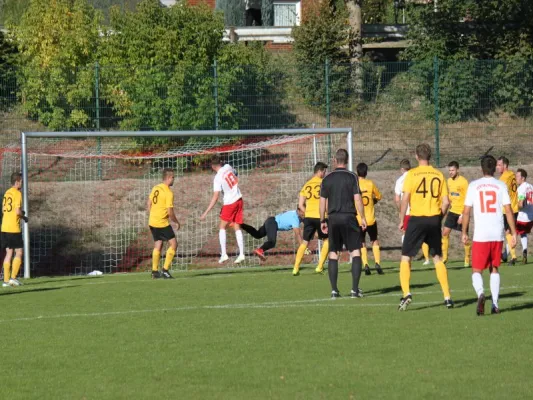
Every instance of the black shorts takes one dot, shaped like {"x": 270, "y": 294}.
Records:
{"x": 372, "y": 231}
{"x": 506, "y": 225}
{"x": 12, "y": 240}
{"x": 343, "y": 229}
{"x": 312, "y": 225}
{"x": 165, "y": 234}
{"x": 423, "y": 230}
{"x": 451, "y": 222}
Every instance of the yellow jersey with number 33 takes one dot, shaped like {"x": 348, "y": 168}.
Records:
{"x": 509, "y": 178}
{"x": 457, "y": 188}
{"x": 162, "y": 199}
{"x": 10, "y": 220}
{"x": 427, "y": 187}
{"x": 369, "y": 193}
{"x": 311, "y": 192}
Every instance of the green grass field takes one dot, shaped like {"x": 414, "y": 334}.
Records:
{"x": 263, "y": 334}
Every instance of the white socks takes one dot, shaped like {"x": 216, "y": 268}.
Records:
{"x": 222, "y": 239}
{"x": 523, "y": 240}
{"x": 495, "y": 288}
{"x": 477, "y": 283}
{"x": 240, "y": 242}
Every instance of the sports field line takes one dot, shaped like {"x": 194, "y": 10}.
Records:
{"x": 268, "y": 305}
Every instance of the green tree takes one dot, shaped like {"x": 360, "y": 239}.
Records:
{"x": 460, "y": 34}
{"x": 158, "y": 70}
{"x": 57, "y": 40}
{"x": 8, "y": 82}
{"x": 323, "y": 35}
{"x": 11, "y": 11}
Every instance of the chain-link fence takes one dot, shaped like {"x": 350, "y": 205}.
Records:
{"x": 464, "y": 109}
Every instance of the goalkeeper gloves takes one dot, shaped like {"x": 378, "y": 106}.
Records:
{"x": 307, "y": 252}
{"x": 23, "y": 216}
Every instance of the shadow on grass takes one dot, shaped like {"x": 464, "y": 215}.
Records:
{"x": 11, "y": 291}
{"x": 473, "y": 300}
{"x": 398, "y": 288}
{"x": 228, "y": 271}
{"x": 518, "y": 307}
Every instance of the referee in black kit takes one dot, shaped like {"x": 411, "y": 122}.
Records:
{"x": 340, "y": 191}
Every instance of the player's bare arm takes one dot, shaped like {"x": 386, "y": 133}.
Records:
{"x": 212, "y": 203}
{"x": 148, "y": 204}
{"x": 445, "y": 205}
{"x": 301, "y": 203}
{"x": 403, "y": 208}
{"x": 466, "y": 219}
{"x": 173, "y": 218}
{"x": 398, "y": 201}
{"x": 360, "y": 209}
{"x": 510, "y": 220}
{"x": 322, "y": 211}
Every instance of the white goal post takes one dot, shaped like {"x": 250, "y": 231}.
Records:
{"x": 63, "y": 171}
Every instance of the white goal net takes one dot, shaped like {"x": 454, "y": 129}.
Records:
{"x": 85, "y": 193}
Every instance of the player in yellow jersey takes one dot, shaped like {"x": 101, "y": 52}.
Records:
{"x": 370, "y": 196}
{"x": 308, "y": 203}
{"x": 457, "y": 188}
{"x": 508, "y": 177}
{"x": 426, "y": 193}
{"x": 160, "y": 205}
{"x": 11, "y": 233}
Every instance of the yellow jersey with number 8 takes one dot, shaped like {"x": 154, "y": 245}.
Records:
{"x": 10, "y": 220}
{"x": 369, "y": 194}
{"x": 162, "y": 199}
{"x": 311, "y": 192}
{"x": 427, "y": 187}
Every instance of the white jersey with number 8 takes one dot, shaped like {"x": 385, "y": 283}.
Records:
{"x": 226, "y": 181}
{"x": 487, "y": 196}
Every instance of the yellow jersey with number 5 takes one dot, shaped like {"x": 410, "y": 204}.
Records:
{"x": 369, "y": 194}
{"x": 311, "y": 192}
{"x": 509, "y": 178}
{"x": 10, "y": 220}
{"x": 427, "y": 187}
{"x": 162, "y": 199}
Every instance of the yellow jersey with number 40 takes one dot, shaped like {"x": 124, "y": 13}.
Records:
{"x": 457, "y": 188}
{"x": 509, "y": 178}
{"x": 162, "y": 199}
{"x": 369, "y": 194}
{"x": 311, "y": 192}
{"x": 427, "y": 187}
{"x": 10, "y": 219}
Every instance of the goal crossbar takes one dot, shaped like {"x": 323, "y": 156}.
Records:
{"x": 189, "y": 133}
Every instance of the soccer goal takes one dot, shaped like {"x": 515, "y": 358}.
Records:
{"x": 85, "y": 193}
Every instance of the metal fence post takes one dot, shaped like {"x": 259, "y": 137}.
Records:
{"x": 97, "y": 110}
{"x": 215, "y": 91}
{"x": 436, "y": 102}
{"x": 328, "y": 106}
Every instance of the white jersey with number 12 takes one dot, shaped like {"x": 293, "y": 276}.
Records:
{"x": 487, "y": 196}
{"x": 226, "y": 181}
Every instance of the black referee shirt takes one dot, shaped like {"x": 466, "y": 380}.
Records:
{"x": 339, "y": 187}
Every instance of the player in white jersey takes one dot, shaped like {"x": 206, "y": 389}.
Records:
{"x": 525, "y": 214}
{"x": 487, "y": 196}
{"x": 232, "y": 211}
{"x": 405, "y": 166}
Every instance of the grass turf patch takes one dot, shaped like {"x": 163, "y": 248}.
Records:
{"x": 262, "y": 333}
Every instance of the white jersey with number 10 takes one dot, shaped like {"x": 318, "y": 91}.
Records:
{"x": 487, "y": 196}
{"x": 226, "y": 181}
